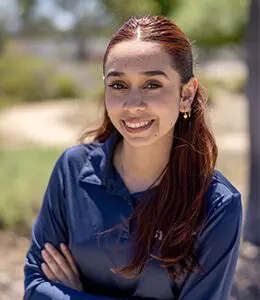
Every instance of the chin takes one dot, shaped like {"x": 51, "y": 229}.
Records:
{"x": 140, "y": 141}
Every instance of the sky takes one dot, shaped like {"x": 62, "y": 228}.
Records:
{"x": 62, "y": 19}
{"x": 9, "y": 14}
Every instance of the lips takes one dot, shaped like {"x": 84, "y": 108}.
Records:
{"x": 137, "y": 129}
{"x": 136, "y": 124}
{"x": 137, "y": 120}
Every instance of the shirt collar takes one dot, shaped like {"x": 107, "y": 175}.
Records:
{"x": 98, "y": 168}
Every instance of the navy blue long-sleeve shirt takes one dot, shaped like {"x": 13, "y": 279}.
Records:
{"x": 85, "y": 196}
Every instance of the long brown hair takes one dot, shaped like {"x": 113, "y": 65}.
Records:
{"x": 177, "y": 206}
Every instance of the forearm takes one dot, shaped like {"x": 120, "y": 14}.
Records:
{"x": 51, "y": 291}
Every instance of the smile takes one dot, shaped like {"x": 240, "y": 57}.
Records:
{"x": 134, "y": 127}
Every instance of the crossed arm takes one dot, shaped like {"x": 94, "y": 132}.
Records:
{"x": 51, "y": 226}
{"x": 53, "y": 275}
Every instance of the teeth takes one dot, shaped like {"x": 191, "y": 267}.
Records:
{"x": 137, "y": 125}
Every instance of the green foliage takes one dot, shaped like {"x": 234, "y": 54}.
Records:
{"x": 165, "y": 7}
{"x": 24, "y": 176}
{"x": 139, "y": 8}
{"x": 28, "y": 79}
{"x": 212, "y": 23}
{"x": 27, "y": 8}
{"x": 234, "y": 84}
{"x": 64, "y": 87}
{"x": 40, "y": 27}
{"x": 23, "y": 77}
{"x": 133, "y": 8}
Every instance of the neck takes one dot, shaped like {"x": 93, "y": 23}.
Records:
{"x": 141, "y": 166}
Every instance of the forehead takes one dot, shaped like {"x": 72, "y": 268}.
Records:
{"x": 137, "y": 55}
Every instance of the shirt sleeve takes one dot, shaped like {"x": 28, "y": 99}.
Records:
{"x": 218, "y": 249}
{"x": 50, "y": 226}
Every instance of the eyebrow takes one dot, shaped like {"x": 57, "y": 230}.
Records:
{"x": 146, "y": 73}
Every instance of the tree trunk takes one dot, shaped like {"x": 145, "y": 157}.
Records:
{"x": 81, "y": 52}
{"x": 246, "y": 285}
{"x": 252, "y": 222}
{"x": 2, "y": 40}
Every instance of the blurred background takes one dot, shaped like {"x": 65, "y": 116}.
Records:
{"x": 51, "y": 86}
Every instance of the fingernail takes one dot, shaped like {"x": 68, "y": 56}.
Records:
{"x": 48, "y": 246}
{"x": 62, "y": 245}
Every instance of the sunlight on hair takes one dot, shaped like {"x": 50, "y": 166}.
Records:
{"x": 138, "y": 33}
{"x": 194, "y": 150}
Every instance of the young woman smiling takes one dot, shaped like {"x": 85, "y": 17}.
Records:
{"x": 140, "y": 212}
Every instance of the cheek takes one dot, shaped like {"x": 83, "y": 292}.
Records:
{"x": 113, "y": 105}
{"x": 169, "y": 117}
{"x": 168, "y": 112}
{"x": 166, "y": 107}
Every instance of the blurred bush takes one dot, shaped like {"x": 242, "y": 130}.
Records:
{"x": 24, "y": 175}
{"x": 212, "y": 24}
{"x": 30, "y": 79}
{"x": 234, "y": 84}
{"x": 64, "y": 87}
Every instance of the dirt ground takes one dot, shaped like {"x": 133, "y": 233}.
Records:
{"x": 59, "y": 123}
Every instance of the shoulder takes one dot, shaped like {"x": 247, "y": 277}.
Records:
{"x": 223, "y": 221}
{"x": 222, "y": 196}
{"x": 76, "y": 156}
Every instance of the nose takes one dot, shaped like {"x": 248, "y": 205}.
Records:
{"x": 135, "y": 102}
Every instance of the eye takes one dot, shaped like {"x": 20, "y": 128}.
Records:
{"x": 117, "y": 86}
{"x": 153, "y": 85}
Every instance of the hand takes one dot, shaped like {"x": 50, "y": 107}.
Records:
{"x": 61, "y": 268}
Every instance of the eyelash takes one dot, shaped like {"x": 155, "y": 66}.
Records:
{"x": 112, "y": 85}
{"x": 154, "y": 84}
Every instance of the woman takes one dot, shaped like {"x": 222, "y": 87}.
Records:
{"x": 140, "y": 212}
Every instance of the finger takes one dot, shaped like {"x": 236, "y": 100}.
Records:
{"x": 48, "y": 272}
{"x": 53, "y": 266}
{"x": 65, "y": 250}
{"x": 60, "y": 261}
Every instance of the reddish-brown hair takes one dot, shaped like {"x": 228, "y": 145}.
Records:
{"x": 177, "y": 205}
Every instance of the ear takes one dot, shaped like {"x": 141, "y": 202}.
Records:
{"x": 188, "y": 93}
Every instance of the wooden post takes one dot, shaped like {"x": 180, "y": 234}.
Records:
{"x": 252, "y": 221}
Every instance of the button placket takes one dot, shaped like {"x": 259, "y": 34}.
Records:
{"x": 110, "y": 185}
{"x": 129, "y": 201}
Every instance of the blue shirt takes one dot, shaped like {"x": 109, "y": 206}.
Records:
{"x": 86, "y": 196}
